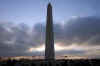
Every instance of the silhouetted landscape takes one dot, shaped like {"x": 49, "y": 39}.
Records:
{"x": 59, "y": 62}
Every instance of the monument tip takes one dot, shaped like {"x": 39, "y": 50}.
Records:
{"x": 49, "y": 4}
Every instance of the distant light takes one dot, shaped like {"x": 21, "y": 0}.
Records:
{"x": 40, "y": 49}
{"x": 74, "y": 17}
{"x": 58, "y": 47}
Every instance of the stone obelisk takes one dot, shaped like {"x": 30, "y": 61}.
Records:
{"x": 49, "y": 43}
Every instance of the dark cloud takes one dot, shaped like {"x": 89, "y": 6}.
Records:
{"x": 17, "y": 39}
{"x": 83, "y": 30}
{"x": 78, "y": 30}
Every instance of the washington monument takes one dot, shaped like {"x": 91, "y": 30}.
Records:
{"x": 49, "y": 43}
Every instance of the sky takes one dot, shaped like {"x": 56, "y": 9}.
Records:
{"x": 76, "y": 27}
{"x": 28, "y": 11}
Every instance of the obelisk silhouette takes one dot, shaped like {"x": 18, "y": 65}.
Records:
{"x": 49, "y": 43}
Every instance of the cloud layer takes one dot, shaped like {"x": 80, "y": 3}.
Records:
{"x": 16, "y": 39}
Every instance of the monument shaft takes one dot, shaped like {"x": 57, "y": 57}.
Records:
{"x": 49, "y": 47}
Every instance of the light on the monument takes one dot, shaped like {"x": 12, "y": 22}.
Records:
{"x": 58, "y": 47}
{"x": 42, "y": 48}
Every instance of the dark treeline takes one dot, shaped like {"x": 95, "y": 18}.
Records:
{"x": 24, "y": 62}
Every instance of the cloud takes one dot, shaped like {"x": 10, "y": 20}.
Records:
{"x": 82, "y": 30}
{"x": 16, "y": 39}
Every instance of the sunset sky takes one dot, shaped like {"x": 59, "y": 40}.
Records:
{"x": 76, "y": 27}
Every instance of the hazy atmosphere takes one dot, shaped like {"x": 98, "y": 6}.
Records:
{"x": 76, "y": 27}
